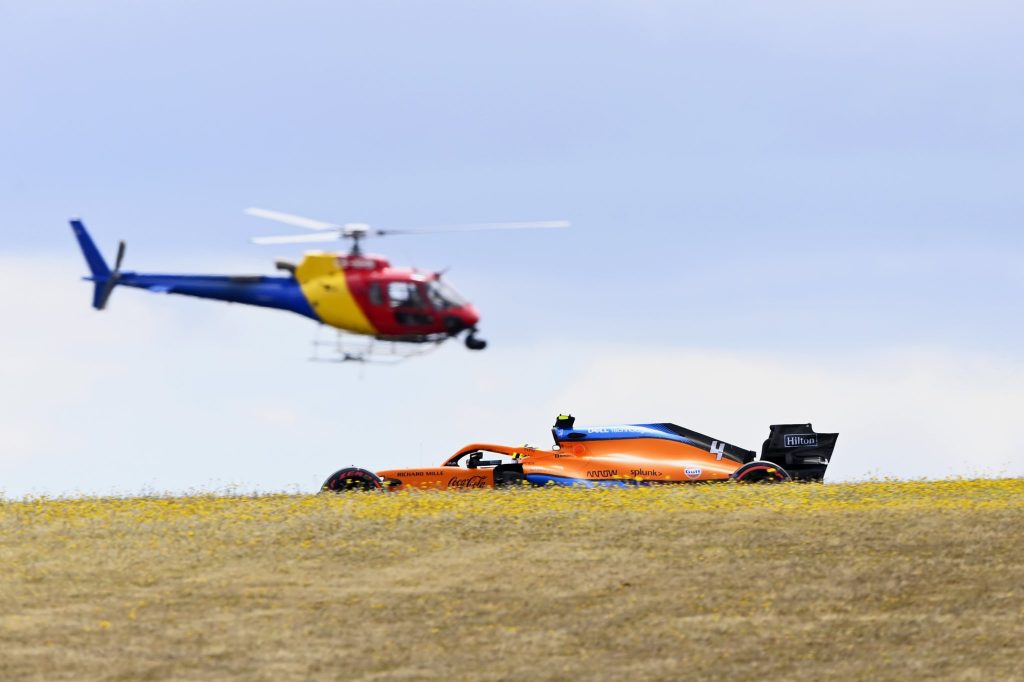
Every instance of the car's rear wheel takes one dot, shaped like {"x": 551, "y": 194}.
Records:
{"x": 350, "y": 479}
{"x": 761, "y": 472}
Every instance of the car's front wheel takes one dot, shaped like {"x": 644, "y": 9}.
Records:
{"x": 761, "y": 472}
{"x": 351, "y": 478}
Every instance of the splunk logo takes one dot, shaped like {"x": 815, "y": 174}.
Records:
{"x": 799, "y": 440}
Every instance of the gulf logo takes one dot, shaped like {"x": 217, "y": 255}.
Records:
{"x": 692, "y": 472}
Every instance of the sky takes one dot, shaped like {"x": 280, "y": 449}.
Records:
{"x": 782, "y": 212}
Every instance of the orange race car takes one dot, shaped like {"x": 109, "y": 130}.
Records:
{"x": 633, "y": 454}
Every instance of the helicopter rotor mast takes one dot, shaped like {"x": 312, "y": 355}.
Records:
{"x": 329, "y": 232}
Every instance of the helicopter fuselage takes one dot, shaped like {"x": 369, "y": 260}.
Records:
{"x": 359, "y": 294}
{"x": 363, "y": 294}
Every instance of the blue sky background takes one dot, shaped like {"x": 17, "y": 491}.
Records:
{"x": 759, "y": 188}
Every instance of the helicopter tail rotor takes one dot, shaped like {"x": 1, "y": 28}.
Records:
{"x": 102, "y": 295}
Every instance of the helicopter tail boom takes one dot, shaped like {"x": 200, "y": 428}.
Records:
{"x": 269, "y": 292}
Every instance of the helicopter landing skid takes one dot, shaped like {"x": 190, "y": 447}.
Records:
{"x": 368, "y": 350}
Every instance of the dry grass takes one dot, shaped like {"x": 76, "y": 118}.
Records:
{"x": 798, "y": 582}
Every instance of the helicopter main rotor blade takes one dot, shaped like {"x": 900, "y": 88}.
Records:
{"x": 298, "y": 238}
{"x": 479, "y": 227}
{"x": 289, "y": 219}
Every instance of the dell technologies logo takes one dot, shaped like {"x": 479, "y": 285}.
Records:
{"x": 799, "y": 440}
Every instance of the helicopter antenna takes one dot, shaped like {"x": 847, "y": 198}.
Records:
{"x": 330, "y": 232}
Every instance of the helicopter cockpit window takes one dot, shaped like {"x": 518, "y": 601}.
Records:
{"x": 405, "y": 295}
{"x": 443, "y": 296}
{"x": 376, "y": 297}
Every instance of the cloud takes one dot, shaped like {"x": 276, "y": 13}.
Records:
{"x": 125, "y": 398}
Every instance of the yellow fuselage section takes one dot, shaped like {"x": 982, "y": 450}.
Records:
{"x": 326, "y": 287}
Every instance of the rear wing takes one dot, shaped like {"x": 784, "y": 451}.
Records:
{"x": 797, "y": 448}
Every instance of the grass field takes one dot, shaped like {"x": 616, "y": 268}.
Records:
{"x": 888, "y": 580}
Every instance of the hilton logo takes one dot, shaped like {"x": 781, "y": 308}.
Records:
{"x": 796, "y": 440}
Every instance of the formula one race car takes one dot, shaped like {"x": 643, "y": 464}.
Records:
{"x": 634, "y": 454}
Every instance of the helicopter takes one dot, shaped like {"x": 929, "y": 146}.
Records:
{"x": 397, "y": 311}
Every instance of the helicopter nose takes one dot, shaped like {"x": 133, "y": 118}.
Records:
{"x": 470, "y": 316}
{"x": 460, "y": 319}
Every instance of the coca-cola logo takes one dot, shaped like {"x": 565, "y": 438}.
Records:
{"x": 470, "y": 482}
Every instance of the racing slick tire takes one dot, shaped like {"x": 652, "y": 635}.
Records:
{"x": 761, "y": 472}
{"x": 349, "y": 479}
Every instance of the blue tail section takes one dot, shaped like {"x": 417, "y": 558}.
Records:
{"x": 283, "y": 293}
{"x": 101, "y": 273}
